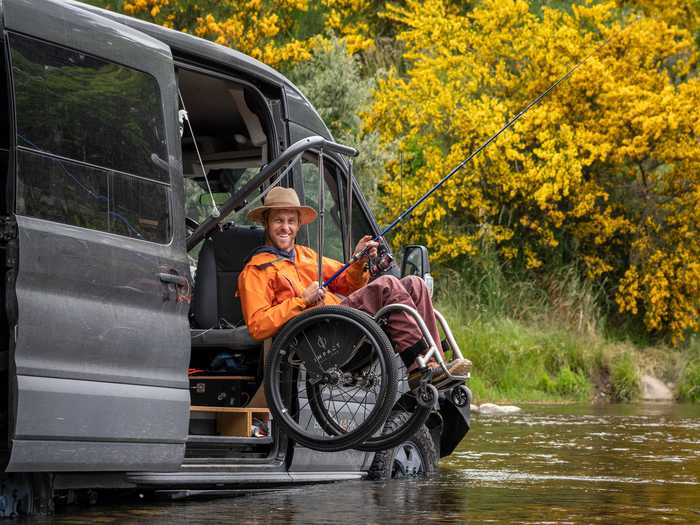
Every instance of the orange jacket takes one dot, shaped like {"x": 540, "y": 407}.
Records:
{"x": 271, "y": 294}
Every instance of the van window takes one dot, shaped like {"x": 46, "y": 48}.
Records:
{"x": 63, "y": 192}
{"x": 71, "y": 193}
{"x": 224, "y": 183}
{"x": 360, "y": 223}
{"x": 90, "y": 142}
{"x": 333, "y": 235}
{"x": 87, "y": 109}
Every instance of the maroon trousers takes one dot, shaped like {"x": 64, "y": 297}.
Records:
{"x": 411, "y": 291}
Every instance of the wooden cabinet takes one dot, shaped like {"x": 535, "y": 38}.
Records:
{"x": 236, "y": 421}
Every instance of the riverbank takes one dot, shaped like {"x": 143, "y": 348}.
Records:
{"x": 516, "y": 362}
{"x": 555, "y": 350}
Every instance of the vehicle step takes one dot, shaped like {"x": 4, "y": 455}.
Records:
{"x": 228, "y": 440}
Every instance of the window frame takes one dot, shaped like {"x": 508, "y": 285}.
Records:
{"x": 341, "y": 172}
{"x": 331, "y": 169}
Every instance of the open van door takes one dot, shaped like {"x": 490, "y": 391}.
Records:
{"x": 100, "y": 345}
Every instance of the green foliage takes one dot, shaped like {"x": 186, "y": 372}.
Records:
{"x": 534, "y": 340}
{"x": 689, "y": 384}
{"x": 513, "y": 361}
{"x": 332, "y": 81}
{"x": 566, "y": 383}
{"x": 624, "y": 378}
{"x": 485, "y": 288}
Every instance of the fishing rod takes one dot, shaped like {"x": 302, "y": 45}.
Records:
{"x": 356, "y": 257}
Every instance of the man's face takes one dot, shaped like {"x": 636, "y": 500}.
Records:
{"x": 282, "y": 228}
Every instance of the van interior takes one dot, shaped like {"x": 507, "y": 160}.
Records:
{"x": 229, "y": 129}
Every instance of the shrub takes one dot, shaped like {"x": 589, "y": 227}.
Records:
{"x": 689, "y": 380}
{"x": 571, "y": 384}
{"x": 689, "y": 387}
{"x": 624, "y": 378}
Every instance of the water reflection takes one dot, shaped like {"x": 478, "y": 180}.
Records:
{"x": 547, "y": 465}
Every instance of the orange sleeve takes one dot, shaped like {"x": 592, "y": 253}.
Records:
{"x": 262, "y": 317}
{"x": 354, "y": 278}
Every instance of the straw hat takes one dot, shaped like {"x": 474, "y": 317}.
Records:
{"x": 279, "y": 198}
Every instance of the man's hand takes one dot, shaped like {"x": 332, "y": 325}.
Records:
{"x": 313, "y": 295}
{"x": 366, "y": 242}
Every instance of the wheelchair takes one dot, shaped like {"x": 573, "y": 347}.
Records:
{"x": 332, "y": 378}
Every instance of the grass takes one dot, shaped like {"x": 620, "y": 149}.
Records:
{"x": 543, "y": 340}
{"x": 689, "y": 381}
{"x": 516, "y": 362}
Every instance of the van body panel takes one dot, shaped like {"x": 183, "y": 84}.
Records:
{"x": 101, "y": 342}
{"x": 91, "y": 307}
{"x": 301, "y": 114}
{"x": 305, "y": 460}
{"x": 124, "y": 412}
{"x": 77, "y": 28}
{"x": 74, "y": 456}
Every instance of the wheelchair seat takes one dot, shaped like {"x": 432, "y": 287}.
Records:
{"x": 216, "y": 318}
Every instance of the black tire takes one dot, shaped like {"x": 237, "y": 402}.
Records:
{"x": 419, "y": 404}
{"x": 304, "y": 374}
{"x": 399, "y": 433}
{"x": 392, "y": 464}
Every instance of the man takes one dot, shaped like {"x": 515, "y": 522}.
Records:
{"x": 280, "y": 280}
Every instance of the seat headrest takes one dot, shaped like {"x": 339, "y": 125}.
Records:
{"x": 220, "y": 261}
{"x": 233, "y": 245}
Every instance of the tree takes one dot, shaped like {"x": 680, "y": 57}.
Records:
{"x": 605, "y": 172}
{"x": 332, "y": 81}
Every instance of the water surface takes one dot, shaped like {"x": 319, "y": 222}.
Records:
{"x": 546, "y": 465}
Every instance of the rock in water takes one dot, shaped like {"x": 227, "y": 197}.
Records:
{"x": 654, "y": 389}
{"x": 493, "y": 409}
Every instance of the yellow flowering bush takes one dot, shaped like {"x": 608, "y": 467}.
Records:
{"x": 269, "y": 30}
{"x": 260, "y": 28}
{"x": 605, "y": 171}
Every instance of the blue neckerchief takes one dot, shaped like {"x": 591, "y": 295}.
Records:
{"x": 290, "y": 255}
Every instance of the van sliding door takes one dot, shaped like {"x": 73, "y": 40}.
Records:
{"x": 101, "y": 344}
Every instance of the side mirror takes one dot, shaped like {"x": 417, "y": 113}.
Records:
{"x": 415, "y": 261}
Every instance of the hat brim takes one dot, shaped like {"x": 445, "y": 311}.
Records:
{"x": 306, "y": 213}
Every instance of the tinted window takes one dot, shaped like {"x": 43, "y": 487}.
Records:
{"x": 79, "y": 195}
{"x": 223, "y": 183}
{"x": 333, "y": 238}
{"x": 77, "y": 106}
{"x": 61, "y": 191}
{"x": 360, "y": 223}
{"x": 138, "y": 208}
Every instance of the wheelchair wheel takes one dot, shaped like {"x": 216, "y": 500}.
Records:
{"x": 330, "y": 378}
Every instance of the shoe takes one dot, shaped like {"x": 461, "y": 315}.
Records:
{"x": 458, "y": 367}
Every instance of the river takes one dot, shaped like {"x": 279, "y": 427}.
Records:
{"x": 612, "y": 464}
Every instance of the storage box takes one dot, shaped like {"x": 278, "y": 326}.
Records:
{"x": 241, "y": 423}
{"x": 221, "y": 391}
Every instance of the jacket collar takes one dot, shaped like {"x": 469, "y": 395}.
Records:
{"x": 280, "y": 254}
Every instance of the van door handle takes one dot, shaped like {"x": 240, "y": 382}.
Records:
{"x": 182, "y": 287}
{"x": 177, "y": 280}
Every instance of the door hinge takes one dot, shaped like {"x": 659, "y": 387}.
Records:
{"x": 8, "y": 228}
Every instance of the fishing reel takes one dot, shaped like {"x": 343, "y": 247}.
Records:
{"x": 380, "y": 264}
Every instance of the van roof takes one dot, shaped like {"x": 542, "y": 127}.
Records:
{"x": 299, "y": 109}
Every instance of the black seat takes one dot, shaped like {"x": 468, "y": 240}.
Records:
{"x": 215, "y": 315}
